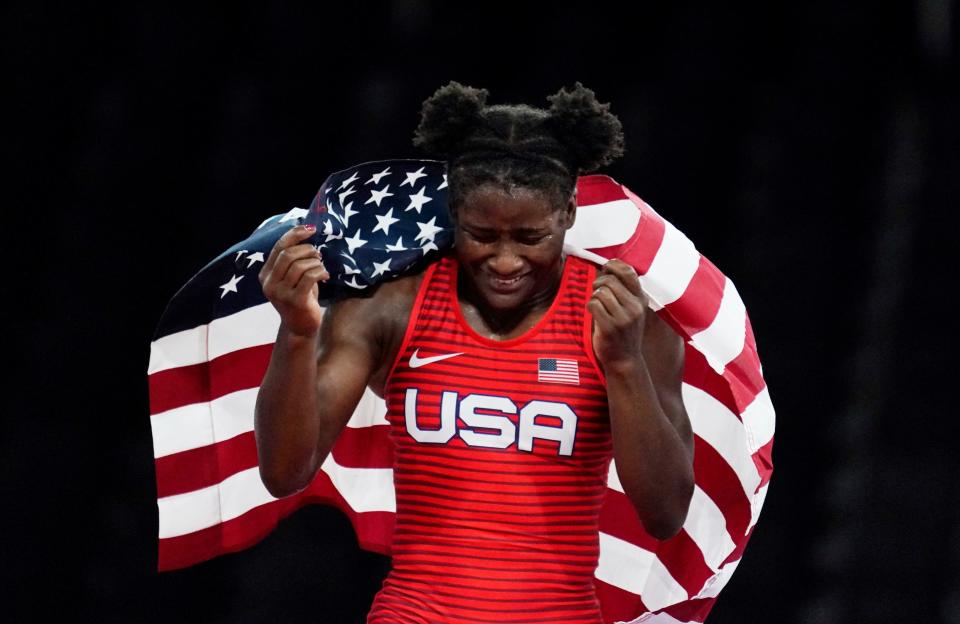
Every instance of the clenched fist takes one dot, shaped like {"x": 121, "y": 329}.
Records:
{"x": 619, "y": 309}
{"x": 289, "y": 280}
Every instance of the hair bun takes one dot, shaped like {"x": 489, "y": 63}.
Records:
{"x": 592, "y": 134}
{"x": 447, "y": 116}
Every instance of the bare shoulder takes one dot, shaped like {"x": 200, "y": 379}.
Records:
{"x": 663, "y": 352}
{"x": 662, "y": 346}
{"x": 377, "y": 321}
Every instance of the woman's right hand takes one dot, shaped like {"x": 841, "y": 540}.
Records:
{"x": 289, "y": 280}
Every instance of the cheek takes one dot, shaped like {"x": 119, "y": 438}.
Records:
{"x": 470, "y": 251}
{"x": 552, "y": 249}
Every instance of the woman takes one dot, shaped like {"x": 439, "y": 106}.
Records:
{"x": 512, "y": 374}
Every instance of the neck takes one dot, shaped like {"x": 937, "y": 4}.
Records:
{"x": 500, "y": 322}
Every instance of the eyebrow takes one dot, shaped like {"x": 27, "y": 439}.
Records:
{"x": 483, "y": 230}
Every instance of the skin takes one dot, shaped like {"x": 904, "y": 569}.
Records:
{"x": 509, "y": 246}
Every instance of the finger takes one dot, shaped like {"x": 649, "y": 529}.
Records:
{"x": 309, "y": 279}
{"x": 299, "y": 269}
{"x": 612, "y": 308}
{"x": 631, "y": 302}
{"x": 635, "y": 305}
{"x": 598, "y": 311}
{"x": 602, "y": 321}
{"x": 287, "y": 258}
{"x": 291, "y": 237}
{"x": 627, "y": 288}
{"x": 625, "y": 273}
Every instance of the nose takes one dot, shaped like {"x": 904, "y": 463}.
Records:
{"x": 506, "y": 262}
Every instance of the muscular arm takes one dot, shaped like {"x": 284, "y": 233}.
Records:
{"x": 320, "y": 364}
{"x": 642, "y": 359}
{"x": 652, "y": 438}
{"x": 310, "y": 390}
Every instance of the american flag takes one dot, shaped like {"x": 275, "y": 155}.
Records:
{"x": 558, "y": 371}
{"x": 376, "y": 221}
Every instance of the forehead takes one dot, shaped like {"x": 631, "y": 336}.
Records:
{"x": 493, "y": 206}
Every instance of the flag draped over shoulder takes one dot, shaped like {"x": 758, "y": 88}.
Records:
{"x": 382, "y": 219}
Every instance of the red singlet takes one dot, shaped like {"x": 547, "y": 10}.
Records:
{"x": 501, "y": 457}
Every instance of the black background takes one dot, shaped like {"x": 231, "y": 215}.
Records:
{"x": 810, "y": 150}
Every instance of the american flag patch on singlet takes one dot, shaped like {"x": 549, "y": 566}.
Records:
{"x": 558, "y": 371}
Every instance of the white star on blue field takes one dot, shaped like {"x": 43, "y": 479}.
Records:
{"x": 374, "y": 222}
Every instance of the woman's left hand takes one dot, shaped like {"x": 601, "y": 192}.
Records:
{"x": 619, "y": 310}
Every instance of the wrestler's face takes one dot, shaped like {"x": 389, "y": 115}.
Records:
{"x": 509, "y": 245}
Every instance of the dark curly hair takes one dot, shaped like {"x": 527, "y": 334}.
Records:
{"x": 518, "y": 145}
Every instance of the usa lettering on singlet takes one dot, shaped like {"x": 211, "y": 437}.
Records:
{"x": 501, "y": 457}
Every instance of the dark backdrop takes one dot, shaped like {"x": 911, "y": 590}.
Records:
{"x": 809, "y": 149}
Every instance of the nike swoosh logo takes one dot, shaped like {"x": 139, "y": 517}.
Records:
{"x": 416, "y": 361}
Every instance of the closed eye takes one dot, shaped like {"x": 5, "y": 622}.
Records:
{"x": 525, "y": 237}
{"x": 532, "y": 240}
{"x": 482, "y": 237}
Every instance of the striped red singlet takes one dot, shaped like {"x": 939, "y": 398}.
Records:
{"x": 501, "y": 457}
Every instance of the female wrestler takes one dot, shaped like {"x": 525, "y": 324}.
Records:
{"x": 512, "y": 374}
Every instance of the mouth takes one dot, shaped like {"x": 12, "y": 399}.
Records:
{"x": 506, "y": 285}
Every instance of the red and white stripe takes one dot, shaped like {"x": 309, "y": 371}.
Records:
{"x": 203, "y": 385}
